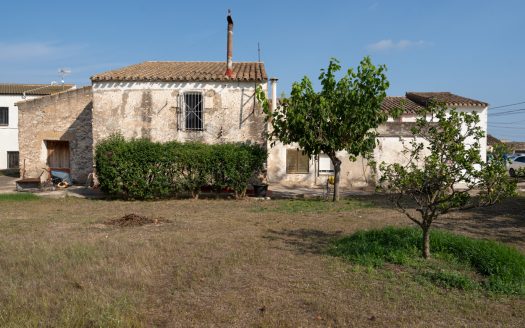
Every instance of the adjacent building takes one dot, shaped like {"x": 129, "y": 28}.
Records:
{"x": 289, "y": 167}
{"x": 10, "y": 94}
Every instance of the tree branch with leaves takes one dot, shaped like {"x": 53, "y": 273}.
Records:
{"x": 445, "y": 171}
{"x": 344, "y": 115}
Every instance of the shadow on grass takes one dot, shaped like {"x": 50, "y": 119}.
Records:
{"x": 504, "y": 222}
{"x": 304, "y": 241}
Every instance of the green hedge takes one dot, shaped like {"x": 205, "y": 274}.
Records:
{"x": 141, "y": 169}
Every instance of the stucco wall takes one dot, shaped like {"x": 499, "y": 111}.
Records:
{"x": 150, "y": 110}
{"x": 394, "y": 136}
{"x": 64, "y": 116}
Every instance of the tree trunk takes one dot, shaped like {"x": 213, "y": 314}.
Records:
{"x": 337, "y": 174}
{"x": 426, "y": 242}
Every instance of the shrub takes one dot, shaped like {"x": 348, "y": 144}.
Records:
{"x": 141, "y": 169}
{"x": 501, "y": 267}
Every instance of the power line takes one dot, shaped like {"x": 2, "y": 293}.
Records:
{"x": 507, "y": 123}
{"x": 523, "y": 102}
{"x": 512, "y": 111}
{"x": 506, "y": 127}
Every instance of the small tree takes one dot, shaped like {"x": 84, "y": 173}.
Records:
{"x": 342, "y": 116}
{"x": 444, "y": 170}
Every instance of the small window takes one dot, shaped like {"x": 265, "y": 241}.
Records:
{"x": 12, "y": 159}
{"x": 297, "y": 161}
{"x": 193, "y": 111}
{"x": 325, "y": 165}
{"x": 4, "y": 115}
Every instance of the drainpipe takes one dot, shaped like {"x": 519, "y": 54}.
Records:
{"x": 229, "y": 50}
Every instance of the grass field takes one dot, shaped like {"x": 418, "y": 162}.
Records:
{"x": 228, "y": 263}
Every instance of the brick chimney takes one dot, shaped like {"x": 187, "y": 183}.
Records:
{"x": 229, "y": 52}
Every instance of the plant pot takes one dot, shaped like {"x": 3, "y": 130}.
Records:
{"x": 260, "y": 190}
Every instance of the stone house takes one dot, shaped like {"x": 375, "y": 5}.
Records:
{"x": 10, "y": 94}
{"x": 289, "y": 167}
{"x": 209, "y": 102}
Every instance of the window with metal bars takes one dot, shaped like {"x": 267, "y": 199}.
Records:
{"x": 12, "y": 159}
{"x": 193, "y": 111}
{"x": 4, "y": 115}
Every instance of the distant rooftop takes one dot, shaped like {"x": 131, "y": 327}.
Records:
{"x": 32, "y": 89}
{"x": 412, "y": 102}
{"x": 171, "y": 71}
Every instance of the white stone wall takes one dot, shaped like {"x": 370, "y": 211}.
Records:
{"x": 150, "y": 110}
{"x": 9, "y": 133}
{"x": 358, "y": 174}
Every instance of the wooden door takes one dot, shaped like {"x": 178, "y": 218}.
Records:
{"x": 57, "y": 154}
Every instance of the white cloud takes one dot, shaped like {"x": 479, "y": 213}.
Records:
{"x": 32, "y": 50}
{"x": 386, "y": 45}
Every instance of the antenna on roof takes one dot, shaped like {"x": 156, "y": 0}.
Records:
{"x": 63, "y": 72}
{"x": 259, "y": 51}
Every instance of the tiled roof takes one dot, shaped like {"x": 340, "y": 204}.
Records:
{"x": 184, "y": 71}
{"x": 491, "y": 140}
{"x": 408, "y": 106}
{"x": 450, "y": 99}
{"x": 32, "y": 89}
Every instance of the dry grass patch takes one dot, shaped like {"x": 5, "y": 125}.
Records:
{"x": 219, "y": 263}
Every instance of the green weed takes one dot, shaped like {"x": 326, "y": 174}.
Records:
{"x": 458, "y": 261}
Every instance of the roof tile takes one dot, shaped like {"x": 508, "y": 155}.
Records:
{"x": 184, "y": 71}
{"x": 450, "y": 99}
{"x": 32, "y": 89}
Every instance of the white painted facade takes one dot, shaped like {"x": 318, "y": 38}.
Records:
{"x": 152, "y": 110}
{"x": 356, "y": 174}
{"x": 9, "y": 133}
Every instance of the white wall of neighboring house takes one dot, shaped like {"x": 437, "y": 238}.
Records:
{"x": 356, "y": 174}
{"x": 9, "y": 133}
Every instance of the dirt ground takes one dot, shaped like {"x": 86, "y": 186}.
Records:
{"x": 225, "y": 263}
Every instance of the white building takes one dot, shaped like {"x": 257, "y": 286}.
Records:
{"x": 10, "y": 94}
{"x": 289, "y": 167}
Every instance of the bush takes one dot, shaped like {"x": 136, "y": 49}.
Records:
{"x": 458, "y": 258}
{"x": 141, "y": 169}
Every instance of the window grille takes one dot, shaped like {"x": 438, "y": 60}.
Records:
{"x": 4, "y": 115}
{"x": 191, "y": 114}
{"x": 12, "y": 159}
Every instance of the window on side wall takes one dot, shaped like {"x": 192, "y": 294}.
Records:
{"x": 297, "y": 161}
{"x": 193, "y": 111}
{"x": 12, "y": 159}
{"x": 325, "y": 165}
{"x": 4, "y": 115}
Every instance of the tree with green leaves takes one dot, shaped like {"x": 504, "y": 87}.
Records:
{"x": 344, "y": 115}
{"x": 445, "y": 171}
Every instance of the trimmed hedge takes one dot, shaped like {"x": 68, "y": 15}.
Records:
{"x": 141, "y": 169}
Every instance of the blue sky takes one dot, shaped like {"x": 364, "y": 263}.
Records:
{"x": 472, "y": 48}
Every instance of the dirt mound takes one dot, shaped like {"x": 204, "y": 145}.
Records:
{"x": 133, "y": 220}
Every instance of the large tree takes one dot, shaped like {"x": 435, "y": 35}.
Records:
{"x": 344, "y": 115}
{"x": 445, "y": 171}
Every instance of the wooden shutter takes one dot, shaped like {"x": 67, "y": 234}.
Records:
{"x": 57, "y": 154}
{"x": 297, "y": 161}
{"x": 291, "y": 161}
{"x": 303, "y": 162}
